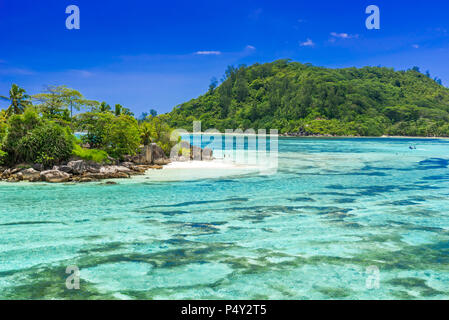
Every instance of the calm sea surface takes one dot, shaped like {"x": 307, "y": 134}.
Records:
{"x": 341, "y": 219}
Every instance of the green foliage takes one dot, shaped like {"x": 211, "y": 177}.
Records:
{"x": 104, "y": 107}
{"x": 120, "y": 110}
{"x": 44, "y": 159}
{"x": 19, "y": 100}
{"x": 94, "y": 124}
{"x": 117, "y": 135}
{"x": 153, "y": 113}
{"x": 122, "y": 136}
{"x": 157, "y": 130}
{"x": 18, "y": 127}
{"x": 58, "y": 102}
{"x": 31, "y": 139}
{"x": 96, "y": 155}
{"x": 3, "y": 157}
{"x": 3, "y": 127}
{"x": 145, "y": 133}
{"x": 42, "y": 134}
{"x": 292, "y": 97}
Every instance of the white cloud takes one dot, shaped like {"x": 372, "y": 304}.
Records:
{"x": 249, "y": 47}
{"x": 344, "y": 35}
{"x": 308, "y": 43}
{"x": 16, "y": 71}
{"x": 82, "y": 73}
{"x": 208, "y": 52}
{"x": 416, "y": 46}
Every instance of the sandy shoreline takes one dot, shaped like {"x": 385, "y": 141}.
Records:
{"x": 196, "y": 164}
{"x": 197, "y": 170}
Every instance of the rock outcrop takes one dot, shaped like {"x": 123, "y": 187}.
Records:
{"x": 150, "y": 157}
{"x": 207, "y": 154}
{"x": 150, "y": 154}
{"x": 54, "y": 176}
{"x": 64, "y": 168}
{"x": 30, "y": 175}
{"x": 187, "y": 152}
{"x": 81, "y": 166}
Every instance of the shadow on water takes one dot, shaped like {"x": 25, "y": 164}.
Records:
{"x": 435, "y": 163}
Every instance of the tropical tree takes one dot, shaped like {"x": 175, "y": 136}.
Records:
{"x": 157, "y": 130}
{"x": 19, "y": 100}
{"x": 94, "y": 125}
{"x": 57, "y": 101}
{"x": 153, "y": 113}
{"x": 119, "y": 110}
{"x": 143, "y": 116}
{"x": 3, "y": 126}
{"x": 104, "y": 107}
{"x": 145, "y": 133}
{"x": 122, "y": 136}
{"x": 33, "y": 139}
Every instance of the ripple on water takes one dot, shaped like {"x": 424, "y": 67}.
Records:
{"x": 334, "y": 208}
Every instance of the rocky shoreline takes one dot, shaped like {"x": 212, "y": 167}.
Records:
{"x": 75, "y": 171}
{"x": 78, "y": 170}
{"x": 303, "y": 133}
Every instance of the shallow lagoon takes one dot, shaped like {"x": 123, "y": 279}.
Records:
{"x": 334, "y": 208}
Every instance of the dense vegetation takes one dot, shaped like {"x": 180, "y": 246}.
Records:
{"x": 288, "y": 96}
{"x": 295, "y": 97}
{"x": 40, "y": 128}
{"x": 36, "y": 140}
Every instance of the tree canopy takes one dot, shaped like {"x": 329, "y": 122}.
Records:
{"x": 19, "y": 100}
{"x": 58, "y": 102}
{"x": 294, "y": 97}
{"x": 44, "y": 132}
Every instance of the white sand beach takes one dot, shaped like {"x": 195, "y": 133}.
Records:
{"x": 193, "y": 170}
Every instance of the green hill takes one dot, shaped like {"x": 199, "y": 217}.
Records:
{"x": 294, "y": 97}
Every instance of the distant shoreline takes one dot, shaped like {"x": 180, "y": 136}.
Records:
{"x": 284, "y": 135}
{"x": 366, "y": 137}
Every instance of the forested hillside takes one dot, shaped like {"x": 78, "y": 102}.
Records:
{"x": 294, "y": 97}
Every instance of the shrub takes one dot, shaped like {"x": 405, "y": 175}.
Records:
{"x": 3, "y": 157}
{"x": 31, "y": 139}
{"x": 48, "y": 144}
{"x": 122, "y": 136}
{"x": 158, "y": 131}
{"x": 3, "y": 131}
{"x": 95, "y": 125}
{"x": 18, "y": 127}
{"x": 96, "y": 155}
{"x": 118, "y": 136}
{"x": 44, "y": 159}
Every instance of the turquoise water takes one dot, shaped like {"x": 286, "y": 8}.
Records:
{"x": 334, "y": 208}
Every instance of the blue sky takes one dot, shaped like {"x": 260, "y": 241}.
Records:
{"x": 157, "y": 54}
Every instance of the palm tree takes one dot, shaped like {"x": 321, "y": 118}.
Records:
{"x": 118, "y": 110}
{"x": 19, "y": 100}
{"x": 104, "y": 107}
{"x": 145, "y": 134}
{"x": 153, "y": 113}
